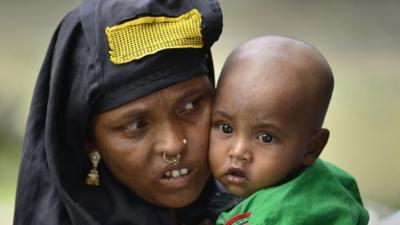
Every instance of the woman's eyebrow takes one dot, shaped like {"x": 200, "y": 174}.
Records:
{"x": 127, "y": 115}
{"x": 190, "y": 93}
{"x": 132, "y": 113}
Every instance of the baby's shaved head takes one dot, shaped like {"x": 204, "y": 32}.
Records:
{"x": 289, "y": 67}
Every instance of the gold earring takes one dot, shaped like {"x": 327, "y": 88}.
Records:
{"x": 93, "y": 177}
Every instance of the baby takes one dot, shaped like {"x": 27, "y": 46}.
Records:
{"x": 267, "y": 135}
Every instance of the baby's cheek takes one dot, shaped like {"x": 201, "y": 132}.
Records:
{"x": 215, "y": 158}
{"x": 213, "y": 144}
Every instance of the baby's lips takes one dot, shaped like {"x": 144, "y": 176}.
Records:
{"x": 236, "y": 172}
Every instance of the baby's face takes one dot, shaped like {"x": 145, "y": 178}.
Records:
{"x": 259, "y": 132}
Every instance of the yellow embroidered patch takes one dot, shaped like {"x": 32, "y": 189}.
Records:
{"x": 144, "y": 36}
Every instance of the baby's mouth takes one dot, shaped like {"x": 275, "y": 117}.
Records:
{"x": 236, "y": 175}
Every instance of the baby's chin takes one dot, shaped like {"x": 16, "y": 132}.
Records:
{"x": 240, "y": 191}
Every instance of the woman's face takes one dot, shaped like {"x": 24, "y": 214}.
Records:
{"x": 132, "y": 139}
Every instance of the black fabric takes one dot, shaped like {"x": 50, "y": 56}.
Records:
{"x": 76, "y": 81}
{"x": 96, "y": 15}
{"x": 220, "y": 202}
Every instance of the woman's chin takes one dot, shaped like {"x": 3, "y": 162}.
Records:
{"x": 180, "y": 202}
{"x": 181, "y": 197}
{"x": 175, "y": 200}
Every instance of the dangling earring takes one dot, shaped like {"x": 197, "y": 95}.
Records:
{"x": 93, "y": 177}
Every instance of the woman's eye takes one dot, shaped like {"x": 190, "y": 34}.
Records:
{"x": 188, "y": 106}
{"x": 225, "y": 128}
{"x": 135, "y": 125}
{"x": 266, "y": 138}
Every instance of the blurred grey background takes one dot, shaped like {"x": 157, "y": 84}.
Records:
{"x": 360, "y": 40}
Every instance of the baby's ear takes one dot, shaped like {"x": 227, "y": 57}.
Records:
{"x": 316, "y": 145}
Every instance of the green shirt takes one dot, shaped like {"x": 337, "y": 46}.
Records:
{"x": 321, "y": 195}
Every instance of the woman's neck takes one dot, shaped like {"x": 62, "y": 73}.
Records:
{"x": 174, "y": 217}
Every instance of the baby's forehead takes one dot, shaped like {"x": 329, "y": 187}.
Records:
{"x": 260, "y": 73}
{"x": 256, "y": 89}
{"x": 273, "y": 83}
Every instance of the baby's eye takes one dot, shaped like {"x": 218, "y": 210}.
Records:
{"x": 265, "y": 137}
{"x": 135, "y": 125}
{"x": 225, "y": 128}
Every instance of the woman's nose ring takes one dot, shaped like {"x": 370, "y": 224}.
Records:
{"x": 171, "y": 159}
{"x": 176, "y": 158}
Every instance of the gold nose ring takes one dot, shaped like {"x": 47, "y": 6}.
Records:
{"x": 171, "y": 160}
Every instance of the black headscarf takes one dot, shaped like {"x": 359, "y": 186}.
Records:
{"x": 78, "y": 80}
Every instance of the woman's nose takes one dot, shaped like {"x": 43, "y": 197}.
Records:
{"x": 239, "y": 150}
{"x": 170, "y": 139}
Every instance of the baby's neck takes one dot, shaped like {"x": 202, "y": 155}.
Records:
{"x": 291, "y": 175}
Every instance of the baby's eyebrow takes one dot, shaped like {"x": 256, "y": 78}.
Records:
{"x": 270, "y": 126}
{"x": 221, "y": 113}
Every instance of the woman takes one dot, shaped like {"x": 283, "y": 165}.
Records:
{"x": 119, "y": 121}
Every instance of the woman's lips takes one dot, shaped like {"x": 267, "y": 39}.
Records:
{"x": 175, "y": 173}
{"x": 236, "y": 176}
{"x": 176, "y": 177}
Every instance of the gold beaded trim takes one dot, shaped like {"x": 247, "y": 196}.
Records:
{"x": 148, "y": 35}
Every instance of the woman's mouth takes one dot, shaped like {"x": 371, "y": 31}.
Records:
{"x": 170, "y": 174}
{"x": 176, "y": 178}
{"x": 236, "y": 176}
